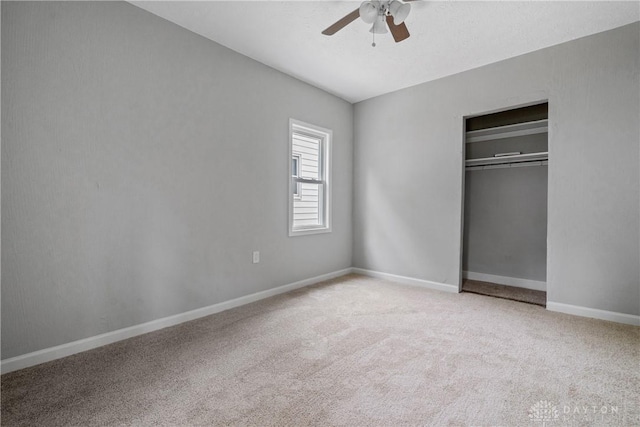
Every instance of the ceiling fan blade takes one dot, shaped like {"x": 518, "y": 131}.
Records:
{"x": 331, "y": 30}
{"x": 399, "y": 32}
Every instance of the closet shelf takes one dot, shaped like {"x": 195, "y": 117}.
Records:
{"x": 504, "y": 160}
{"x": 509, "y": 131}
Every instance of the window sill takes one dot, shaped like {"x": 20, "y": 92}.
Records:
{"x": 308, "y": 231}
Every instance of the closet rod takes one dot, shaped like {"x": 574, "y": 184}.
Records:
{"x": 508, "y": 165}
{"x": 518, "y": 158}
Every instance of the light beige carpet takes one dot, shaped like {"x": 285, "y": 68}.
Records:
{"x": 507, "y": 292}
{"x": 354, "y": 351}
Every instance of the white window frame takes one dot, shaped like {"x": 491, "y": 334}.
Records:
{"x": 325, "y": 136}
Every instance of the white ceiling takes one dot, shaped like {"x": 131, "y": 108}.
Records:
{"x": 447, "y": 37}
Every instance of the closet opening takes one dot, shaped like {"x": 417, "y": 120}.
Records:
{"x": 504, "y": 248}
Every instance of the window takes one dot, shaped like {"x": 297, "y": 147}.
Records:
{"x": 309, "y": 189}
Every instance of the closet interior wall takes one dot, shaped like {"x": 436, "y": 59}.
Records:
{"x": 505, "y": 207}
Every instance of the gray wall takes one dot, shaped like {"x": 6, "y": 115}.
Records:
{"x": 505, "y": 222}
{"x": 408, "y": 169}
{"x": 141, "y": 166}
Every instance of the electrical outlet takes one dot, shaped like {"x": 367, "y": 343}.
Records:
{"x": 256, "y": 257}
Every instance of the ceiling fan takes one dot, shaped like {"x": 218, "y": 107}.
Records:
{"x": 382, "y": 14}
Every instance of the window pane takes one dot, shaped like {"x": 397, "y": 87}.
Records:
{"x": 294, "y": 166}
{"x": 307, "y": 149}
{"x": 307, "y": 210}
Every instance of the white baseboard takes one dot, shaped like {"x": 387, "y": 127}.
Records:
{"x": 407, "y": 280}
{"x": 503, "y": 280}
{"x": 594, "y": 313}
{"x": 68, "y": 349}
{"x": 57, "y": 352}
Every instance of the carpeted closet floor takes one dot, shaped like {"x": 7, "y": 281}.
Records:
{"x": 529, "y": 296}
{"x": 353, "y": 351}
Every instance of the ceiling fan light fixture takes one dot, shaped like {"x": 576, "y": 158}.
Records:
{"x": 399, "y": 11}
{"x": 369, "y": 11}
{"x": 380, "y": 14}
{"x": 379, "y": 26}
